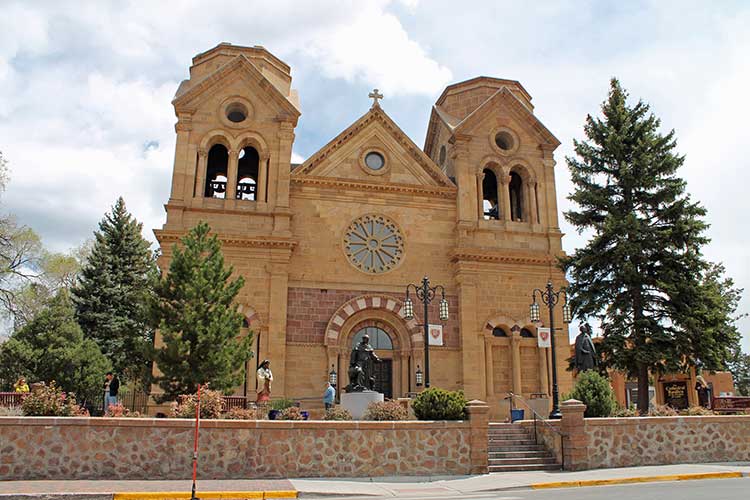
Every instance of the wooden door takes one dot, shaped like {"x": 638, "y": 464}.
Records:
{"x": 384, "y": 378}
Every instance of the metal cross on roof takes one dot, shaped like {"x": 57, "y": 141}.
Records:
{"x": 375, "y": 95}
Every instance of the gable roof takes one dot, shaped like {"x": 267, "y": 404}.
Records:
{"x": 187, "y": 94}
{"x": 375, "y": 113}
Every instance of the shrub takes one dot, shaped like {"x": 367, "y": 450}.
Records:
{"x": 14, "y": 411}
{"x": 621, "y": 411}
{"x": 337, "y": 413}
{"x": 439, "y": 404}
{"x": 695, "y": 411}
{"x": 386, "y": 410}
{"x": 661, "y": 411}
{"x": 291, "y": 413}
{"x": 595, "y": 392}
{"x": 119, "y": 411}
{"x": 281, "y": 404}
{"x": 246, "y": 414}
{"x": 211, "y": 404}
{"x": 51, "y": 401}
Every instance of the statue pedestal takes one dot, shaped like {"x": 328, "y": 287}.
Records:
{"x": 356, "y": 402}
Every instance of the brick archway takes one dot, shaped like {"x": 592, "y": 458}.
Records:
{"x": 369, "y": 302}
{"x": 252, "y": 317}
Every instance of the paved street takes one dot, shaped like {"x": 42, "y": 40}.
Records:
{"x": 723, "y": 489}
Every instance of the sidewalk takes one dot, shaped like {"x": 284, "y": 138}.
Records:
{"x": 383, "y": 487}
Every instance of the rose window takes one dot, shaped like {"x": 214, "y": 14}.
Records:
{"x": 374, "y": 244}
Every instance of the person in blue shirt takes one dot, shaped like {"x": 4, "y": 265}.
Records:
{"x": 329, "y": 396}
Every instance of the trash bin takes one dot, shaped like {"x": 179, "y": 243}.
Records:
{"x": 516, "y": 415}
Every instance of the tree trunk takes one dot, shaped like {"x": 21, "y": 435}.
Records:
{"x": 642, "y": 389}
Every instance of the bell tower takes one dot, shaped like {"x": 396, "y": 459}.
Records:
{"x": 236, "y": 116}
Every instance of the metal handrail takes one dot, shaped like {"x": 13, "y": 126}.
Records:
{"x": 544, "y": 421}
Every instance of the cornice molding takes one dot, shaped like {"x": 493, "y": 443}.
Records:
{"x": 338, "y": 183}
{"x": 171, "y": 236}
{"x": 474, "y": 254}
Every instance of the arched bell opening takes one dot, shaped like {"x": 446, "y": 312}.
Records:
{"x": 247, "y": 174}
{"x": 216, "y": 172}
{"x": 489, "y": 195}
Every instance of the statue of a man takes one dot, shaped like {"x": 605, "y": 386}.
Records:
{"x": 361, "y": 367}
{"x": 585, "y": 356}
{"x": 265, "y": 377}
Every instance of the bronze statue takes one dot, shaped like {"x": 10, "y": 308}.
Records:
{"x": 585, "y": 355}
{"x": 361, "y": 367}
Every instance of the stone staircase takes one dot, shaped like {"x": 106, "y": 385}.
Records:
{"x": 512, "y": 448}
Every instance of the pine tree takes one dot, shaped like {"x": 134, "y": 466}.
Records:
{"x": 642, "y": 273}
{"x": 52, "y": 347}
{"x": 198, "y": 319}
{"x": 113, "y": 292}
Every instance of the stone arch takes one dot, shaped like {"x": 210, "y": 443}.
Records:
{"x": 371, "y": 302}
{"x": 216, "y": 136}
{"x": 251, "y": 316}
{"x": 507, "y": 322}
{"x": 255, "y": 140}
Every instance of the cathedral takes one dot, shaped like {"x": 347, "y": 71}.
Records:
{"x": 327, "y": 247}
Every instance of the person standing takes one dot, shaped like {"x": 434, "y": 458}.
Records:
{"x": 703, "y": 391}
{"x": 111, "y": 389}
{"x": 329, "y": 396}
{"x": 265, "y": 377}
{"x": 21, "y": 385}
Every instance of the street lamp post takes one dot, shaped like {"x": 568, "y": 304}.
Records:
{"x": 426, "y": 294}
{"x": 550, "y": 298}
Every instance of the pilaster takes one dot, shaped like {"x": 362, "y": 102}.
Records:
{"x": 515, "y": 356}
{"x": 479, "y": 428}
{"x": 183, "y": 127}
{"x": 276, "y": 347}
{"x": 575, "y": 441}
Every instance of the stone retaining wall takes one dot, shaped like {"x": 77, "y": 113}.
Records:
{"x": 126, "y": 448}
{"x": 595, "y": 443}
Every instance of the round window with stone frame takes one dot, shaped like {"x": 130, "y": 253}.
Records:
{"x": 504, "y": 140}
{"x": 374, "y": 160}
{"x": 374, "y": 244}
{"x": 236, "y": 112}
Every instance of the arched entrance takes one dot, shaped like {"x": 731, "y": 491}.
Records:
{"x": 394, "y": 339}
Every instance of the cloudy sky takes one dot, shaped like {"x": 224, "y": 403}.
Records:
{"x": 85, "y": 88}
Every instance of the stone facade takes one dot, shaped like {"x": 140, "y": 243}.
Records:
{"x": 596, "y": 443}
{"x": 284, "y": 227}
{"x": 110, "y": 448}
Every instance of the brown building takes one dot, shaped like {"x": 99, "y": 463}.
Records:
{"x": 328, "y": 246}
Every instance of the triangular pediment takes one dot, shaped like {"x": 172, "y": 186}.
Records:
{"x": 505, "y": 100}
{"x": 343, "y": 157}
{"x": 190, "y": 95}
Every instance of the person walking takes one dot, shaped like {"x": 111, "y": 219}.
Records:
{"x": 329, "y": 396}
{"x": 21, "y": 385}
{"x": 111, "y": 389}
{"x": 265, "y": 377}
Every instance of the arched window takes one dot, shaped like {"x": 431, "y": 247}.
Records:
{"x": 489, "y": 195}
{"x": 216, "y": 172}
{"x": 526, "y": 333}
{"x": 515, "y": 191}
{"x": 379, "y": 340}
{"x": 499, "y": 332}
{"x": 247, "y": 174}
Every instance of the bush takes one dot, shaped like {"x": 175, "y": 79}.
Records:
{"x": 630, "y": 411}
{"x": 595, "y": 392}
{"x": 119, "y": 411}
{"x": 337, "y": 413}
{"x": 51, "y": 401}
{"x": 386, "y": 410}
{"x": 291, "y": 413}
{"x": 211, "y": 404}
{"x": 661, "y": 411}
{"x": 696, "y": 411}
{"x": 246, "y": 414}
{"x": 281, "y": 404}
{"x": 439, "y": 404}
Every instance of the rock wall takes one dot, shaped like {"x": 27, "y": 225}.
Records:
{"x": 122, "y": 448}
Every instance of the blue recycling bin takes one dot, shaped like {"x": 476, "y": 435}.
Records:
{"x": 516, "y": 415}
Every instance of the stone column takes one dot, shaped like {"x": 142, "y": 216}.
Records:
{"x": 200, "y": 181}
{"x": 531, "y": 190}
{"x": 284, "y": 159}
{"x": 276, "y": 353}
{"x": 480, "y": 195}
{"x": 515, "y": 363}
{"x": 471, "y": 350}
{"x": 260, "y": 192}
{"x": 488, "y": 373}
{"x": 504, "y": 182}
{"x": 234, "y": 159}
{"x": 575, "y": 440}
{"x": 467, "y": 186}
{"x": 181, "y": 161}
{"x": 479, "y": 426}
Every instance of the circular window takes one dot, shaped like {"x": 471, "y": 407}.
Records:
{"x": 441, "y": 159}
{"x": 374, "y": 160}
{"x": 374, "y": 244}
{"x": 236, "y": 112}
{"x": 504, "y": 140}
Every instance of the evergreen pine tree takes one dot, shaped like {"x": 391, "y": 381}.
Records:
{"x": 113, "y": 291}
{"x": 642, "y": 272}
{"x": 52, "y": 347}
{"x": 198, "y": 319}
